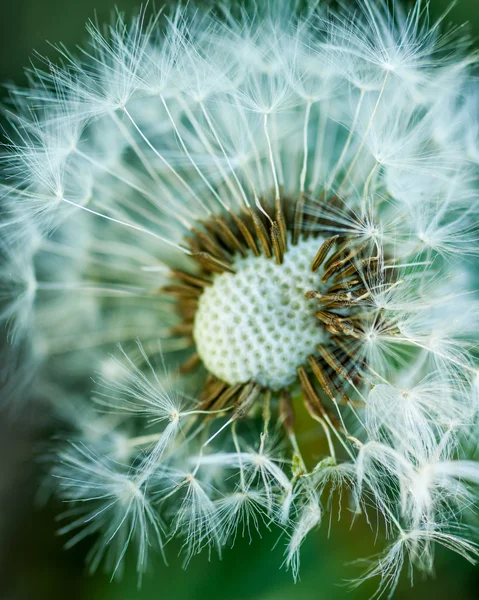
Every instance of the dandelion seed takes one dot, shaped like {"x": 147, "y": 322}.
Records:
{"x": 310, "y": 517}
{"x": 106, "y": 497}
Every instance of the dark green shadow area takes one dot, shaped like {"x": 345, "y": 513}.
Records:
{"x": 252, "y": 572}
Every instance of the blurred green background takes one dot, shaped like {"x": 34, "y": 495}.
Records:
{"x": 33, "y": 565}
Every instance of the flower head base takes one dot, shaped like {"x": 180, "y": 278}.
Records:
{"x": 253, "y": 309}
{"x": 289, "y": 218}
{"x": 256, "y": 324}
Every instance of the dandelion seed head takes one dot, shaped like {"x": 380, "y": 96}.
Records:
{"x": 228, "y": 232}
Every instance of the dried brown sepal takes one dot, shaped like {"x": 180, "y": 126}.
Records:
{"x": 182, "y": 290}
{"x": 194, "y": 280}
{"x": 343, "y": 285}
{"x": 323, "y": 252}
{"x": 211, "y": 245}
{"x": 227, "y": 396}
{"x": 355, "y": 267}
{"x": 277, "y": 243}
{"x": 326, "y": 317}
{"x": 210, "y": 263}
{"x": 313, "y": 294}
{"x": 356, "y": 364}
{"x": 334, "y": 363}
{"x": 314, "y": 401}
{"x": 324, "y": 380}
{"x": 185, "y": 328}
{"x": 281, "y": 220}
{"x": 338, "y": 299}
{"x": 335, "y": 267}
{"x": 262, "y": 234}
{"x": 333, "y": 330}
{"x": 187, "y": 308}
{"x": 247, "y": 234}
{"x": 213, "y": 387}
{"x": 246, "y": 399}
{"x": 347, "y": 326}
{"x": 309, "y": 393}
{"x": 229, "y": 237}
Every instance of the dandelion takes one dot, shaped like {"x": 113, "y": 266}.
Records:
{"x": 227, "y": 218}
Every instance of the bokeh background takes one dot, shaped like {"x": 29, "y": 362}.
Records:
{"x": 33, "y": 565}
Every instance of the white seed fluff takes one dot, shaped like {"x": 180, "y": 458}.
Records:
{"x": 257, "y": 324}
